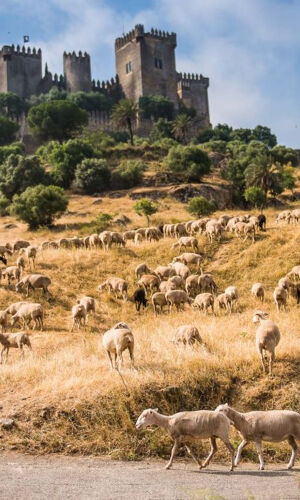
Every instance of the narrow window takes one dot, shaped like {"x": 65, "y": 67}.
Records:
{"x": 158, "y": 63}
{"x": 128, "y": 67}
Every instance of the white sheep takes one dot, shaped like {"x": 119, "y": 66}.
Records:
{"x": 186, "y": 242}
{"x": 177, "y": 298}
{"x": 78, "y": 316}
{"x": 159, "y": 300}
{"x": 225, "y": 302}
{"x": 11, "y": 273}
{"x": 32, "y": 282}
{"x": 267, "y": 338}
{"x": 118, "y": 286}
{"x": 115, "y": 341}
{"x": 203, "y": 301}
{"x": 30, "y": 253}
{"x": 149, "y": 282}
{"x": 89, "y": 303}
{"x": 187, "y": 334}
{"x": 181, "y": 269}
{"x": 29, "y": 312}
{"x": 14, "y": 340}
{"x": 258, "y": 291}
{"x": 142, "y": 269}
{"x": 190, "y": 258}
{"x": 233, "y": 292}
{"x": 280, "y": 296}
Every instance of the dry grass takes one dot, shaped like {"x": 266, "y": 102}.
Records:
{"x": 89, "y": 410}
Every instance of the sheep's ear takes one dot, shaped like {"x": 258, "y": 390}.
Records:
{"x": 226, "y": 405}
{"x": 155, "y": 409}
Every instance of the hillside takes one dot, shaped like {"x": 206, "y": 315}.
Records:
{"x": 65, "y": 398}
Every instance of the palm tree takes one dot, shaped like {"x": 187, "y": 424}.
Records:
{"x": 124, "y": 114}
{"x": 263, "y": 173}
{"x": 181, "y": 126}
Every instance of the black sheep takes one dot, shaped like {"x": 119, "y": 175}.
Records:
{"x": 262, "y": 222}
{"x": 4, "y": 260}
{"x": 139, "y": 298}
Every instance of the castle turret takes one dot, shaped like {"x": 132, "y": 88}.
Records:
{"x": 193, "y": 91}
{"x": 20, "y": 70}
{"x": 77, "y": 72}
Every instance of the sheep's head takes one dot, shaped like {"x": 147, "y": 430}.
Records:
{"x": 121, "y": 325}
{"x": 14, "y": 320}
{"x": 19, "y": 287}
{"x": 259, "y": 315}
{"x": 225, "y": 409}
{"x": 101, "y": 287}
{"x": 146, "y": 418}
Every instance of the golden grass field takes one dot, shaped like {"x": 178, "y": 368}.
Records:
{"x": 88, "y": 408}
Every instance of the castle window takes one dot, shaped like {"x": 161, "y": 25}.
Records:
{"x": 158, "y": 63}
{"x": 129, "y": 67}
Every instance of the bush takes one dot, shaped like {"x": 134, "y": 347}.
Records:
{"x": 162, "y": 129}
{"x": 16, "y": 148}
{"x": 129, "y": 174}
{"x": 8, "y": 130}
{"x": 155, "y": 107}
{"x": 190, "y": 161}
{"x": 255, "y": 196}
{"x": 39, "y": 205}
{"x": 200, "y": 205}
{"x": 4, "y": 206}
{"x": 19, "y": 172}
{"x": 92, "y": 176}
{"x": 145, "y": 207}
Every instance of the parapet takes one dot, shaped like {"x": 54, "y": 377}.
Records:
{"x": 187, "y": 78}
{"x": 139, "y": 32}
{"x": 21, "y": 51}
{"x": 102, "y": 86}
{"x": 74, "y": 57}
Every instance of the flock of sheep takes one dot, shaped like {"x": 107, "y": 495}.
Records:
{"x": 175, "y": 284}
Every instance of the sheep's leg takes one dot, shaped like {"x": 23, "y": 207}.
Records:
{"x": 7, "y": 351}
{"x": 2, "y": 351}
{"x": 130, "y": 349}
{"x": 174, "y": 449}
{"x": 110, "y": 360}
{"x": 261, "y": 352}
{"x": 230, "y": 448}
{"x": 260, "y": 455}
{"x": 272, "y": 359}
{"x": 211, "y": 453}
{"x": 198, "y": 462}
{"x": 293, "y": 444}
{"x": 239, "y": 452}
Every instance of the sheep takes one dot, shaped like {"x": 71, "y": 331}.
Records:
{"x": 245, "y": 228}
{"x": 180, "y": 269}
{"x": 231, "y": 224}
{"x": 190, "y": 258}
{"x": 158, "y": 300}
{"x": 115, "y": 341}
{"x": 186, "y": 242}
{"x": 129, "y": 235}
{"x": 139, "y": 298}
{"x": 21, "y": 264}
{"x": 11, "y": 272}
{"x": 89, "y": 303}
{"x": 29, "y": 312}
{"x": 179, "y": 230}
{"x": 77, "y": 242}
{"x": 165, "y": 286}
{"x": 30, "y": 253}
{"x": 3, "y": 320}
{"x": 214, "y": 230}
{"x": 280, "y": 296}
{"x": 223, "y": 220}
{"x": 262, "y": 222}
{"x": 203, "y": 301}
{"x": 192, "y": 284}
{"x": 14, "y": 340}
{"x": 141, "y": 231}
{"x": 4, "y": 251}
{"x": 13, "y": 308}
{"x": 149, "y": 282}
{"x": 33, "y": 281}
{"x": 164, "y": 272}
{"x": 232, "y": 291}
{"x": 177, "y": 298}
{"x": 138, "y": 238}
{"x": 177, "y": 282}
{"x": 153, "y": 233}
{"x": 187, "y": 425}
{"x": 295, "y": 272}
{"x": 198, "y": 226}
{"x": 225, "y": 302}
{"x": 105, "y": 239}
{"x": 65, "y": 243}
{"x": 94, "y": 241}
{"x": 187, "y": 334}
{"x": 206, "y": 283}
{"x": 20, "y": 244}
{"x": 284, "y": 283}
{"x": 273, "y": 425}
{"x": 258, "y": 291}
{"x": 142, "y": 269}
{"x": 188, "y": 226}
{"x": 295, "y": 291}
{"x": 285, "y": 215}
{"x": 267, "y": 338}
{"x": 295, "y": 216}
{"x": 116, "y": 285}
{"x": 78, "y": 315}
{"x": 118, "y": 239}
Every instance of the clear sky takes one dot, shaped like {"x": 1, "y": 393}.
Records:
{"x": 250, "y": 49}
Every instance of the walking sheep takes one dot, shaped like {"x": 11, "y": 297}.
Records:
{"x": 258, "y": 291}
{"x": 14, "y": 340}
{"x": 29, "y": 312}
{"x": 32, "y": 282}
{"x": 115, "y": 342}
{"x": 267, "y": 338}
{"x": 187, "y": 334}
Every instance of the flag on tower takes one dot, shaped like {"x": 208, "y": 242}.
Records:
{"x": 26, "y": 38}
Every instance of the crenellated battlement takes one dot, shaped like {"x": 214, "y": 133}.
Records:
{"x": 74, "y": 57}
{"x": 98, "y": 86}
{"x": 20, "y": 51}
{"x": 192, "y": 77}
{"x": 139, "y": 32}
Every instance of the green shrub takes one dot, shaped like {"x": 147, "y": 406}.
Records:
{"x": 145, "y": 207}
{"x": 19, "y": 172}
{"x": 92, "y": 176}
{"x": 200, "y": 205}
{"x": 255, "y": 196}
{"x": 8, "y": 130}
{"x": 4, "y": 206}
{"x": 129, "y": 174}
{"x": 39, "y": 205}
{"x": 16, "y": 148}
{"x": 190, "y": 161}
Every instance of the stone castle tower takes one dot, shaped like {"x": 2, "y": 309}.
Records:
{"x": 20, "y": 70}
{"x": 77, "y": 72}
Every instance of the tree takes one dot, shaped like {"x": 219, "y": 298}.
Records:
{"x": 181, "y": 127}
{"x": 255, "y": 196}
{"x": 190, "y": 161}
{"x": 155, "y": 107}
{"x": 162, "y": 128}
{"x": 11, "y": 104}
{"x": 124, "y": 114}
{"x": 57, "y": 120}
{"x": 284, "y": 155}
{"x": 19, "y": 172}
{"x": 145, "y": 207}
{"x": 222, "y": 132}
{"x": 241, "y": 134}
{"x": 263, "y": 134}
{"x": 91, "y": 101}
{"x": 262, "y": 173}
{"x": 92, "y": 176}
{"x": 129, "y": 174}
{"x": 200, "y": 205}
{"x": 8, "y": 130}
{"x": 39, "y": 205}
{"x": 16, "y": 148}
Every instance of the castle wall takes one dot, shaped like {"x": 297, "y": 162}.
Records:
{"x": 193, "y": 91}
{"x": 21, "y": 70}
{"x": 77, "y": 72}
{"x": 129, "y": 51}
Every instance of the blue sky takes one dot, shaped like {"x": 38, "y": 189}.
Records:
{"x": 250, "y": 49}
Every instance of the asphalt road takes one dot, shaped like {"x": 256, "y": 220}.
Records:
{"x": 55, "y": 477}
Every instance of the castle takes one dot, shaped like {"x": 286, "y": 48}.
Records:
{"x": 145, "y": 66}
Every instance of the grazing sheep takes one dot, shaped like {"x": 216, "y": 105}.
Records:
{"x": 177, "y": 298}
{"x": 94, "y": 241}
{"x": 11, "y": 273}
{"x": 138, "y": 238}
{"x": 115, "y": 342}
{"x": 13, "y": 308}
{"x": 89, "y": 303}
{"x": 262, "y": 222}
{"x": 21, "y": 264}
{"x": 142, "y": 269}
{"x": 190, "y": 258}
{"x": 20, "y": 244}
{"x": 273, "y": 425}
{"x": 29, "y": 312}
{"x": 159, "y": 300}
{"x": 30, "y": 253}
{"x": 32, "y": 282}
{"x": 78, "y": 315}
{"x": 141, "y": 231}
{"x": 284, "y": 283}
{"x": 267, "y": 338}
{"x": 3, "y": 252}
{"x": 280, "y": 296}
{"x": 164, "y": 286}
{"x": 295, "y": 216}
{"x": 206, "y": 283}
{"x": 14, "y": 340}
{"x": 203, "y": 301}
{"x": 192, "y": 284}
{"x": 3, "y": 320}
{"x": 199, "y": 226}
{"x": 285, "y": 215}
{"x": 139, "y": 298}
{"x": 149, "y": 282}
{"x": 258, "y": 291}
{"x": 246, "y": 229}
{"x": 153, "y": 233}
{"x": 105, "y": 239}
{"x": 118, "y": 286}
{"x": 214, "y": 230}
{"x": 295, "y": 272}
{"x": 118, "y": 239}
{"x": 232, "y": 291}
{"x": 164, "y": 272}
{"x": 187, "y": 334}
{"x": 225, "y": 302}
{"x": 65, "y": 243}
{"x": 180, "y": 269}
{"x": 129, "y": 235}
{"x": 189, "y": 425}
{"x": 186, "y": 242}
{"x": 179, "y": 230}
{"x": 176, "y": 281}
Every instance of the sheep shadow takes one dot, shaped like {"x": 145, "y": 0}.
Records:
{"x": 252, "y": 473}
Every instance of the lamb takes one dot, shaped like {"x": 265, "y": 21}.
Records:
{"x": 34, "y": 281}
{"x": 181, "y": 269}
{"x": 258, "y": 291}
{"x": 187, "y": 334}
{"x": 267, "y": 338}
{"x": 3, "y": 320}
{"x": 21, "y": 264}
{"x": 225, "y": 302}
{"x": 13, "y": 308}
{"x": 232, "y": 291}
{"x": 20, "y": 244}
{"x": 184, "y": 426}
{"x": 206, "y": 283}
{"x": 164, "y": 272}
{"x": 89, "y": 303}
{"x": 149, "y": 282}
{"x": 273, "y": 425}
{"x": 78, "y": 316}
{"x": 105, "y": 239}
{"x": 159, "y": 300}
{"x": 115, "y": 342}
{"x": 280, "y": 296}
{"x": 214, "y": 230}
{"x": 11, "y": 273}
{"x": 203, "y": 301}
{"x": 142, "y": 269}
{"x": 30, "y": 252}
{"x": 192, "y": 284}
{"x": 14, "y": 340}
{"x": 177, "y": 298}
{"x": 118, "y": 239}
{"x": 139, "y": 298}
{"x": 190, "y": 258}
{"x": 186, "y": 242}
{"x": 116, "y": 285}
{"x": 29, "y": 312}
